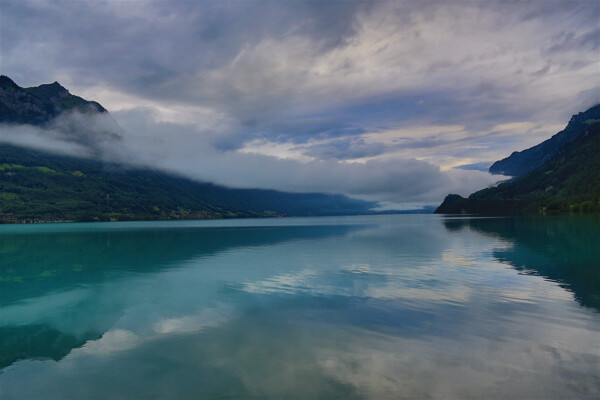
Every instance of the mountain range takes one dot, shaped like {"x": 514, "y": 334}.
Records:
{"x": 560, "y": 175}
{"x": 39, "y": 186}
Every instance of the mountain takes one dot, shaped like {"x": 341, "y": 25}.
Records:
{"x": 36, "y": 186}
{"x": 569, "y": 181}
{"x": 39, "y": 105}
{"x": 521, "y": 162}
{"x": 60, "y": 114}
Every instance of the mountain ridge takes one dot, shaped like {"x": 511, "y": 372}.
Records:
{"x": 521, "y": 162}
{"x": 567, "y": 182}
{"x": 39, "y": 105}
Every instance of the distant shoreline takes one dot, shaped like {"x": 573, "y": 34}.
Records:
{"x": 65, "y": 221}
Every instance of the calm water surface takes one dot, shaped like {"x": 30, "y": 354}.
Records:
{"x": 384, "y": 307}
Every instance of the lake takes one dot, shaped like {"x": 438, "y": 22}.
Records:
{"x": 365, "y": 307}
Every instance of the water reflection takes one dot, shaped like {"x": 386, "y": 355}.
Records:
{"x": 35, "y": 263}
{"x": 562, "y": 249}
{"x": 406, "y": 307}
{"x": 53, "y": 284}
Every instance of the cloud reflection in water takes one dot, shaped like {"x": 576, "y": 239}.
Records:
{"x": 402, "y": 309}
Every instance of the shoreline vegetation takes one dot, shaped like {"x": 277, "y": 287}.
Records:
{"x": 173, "y": 216}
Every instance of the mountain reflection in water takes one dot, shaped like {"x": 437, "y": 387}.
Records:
{"x": 564, "y": 249}
{"x": 56, "y": 264}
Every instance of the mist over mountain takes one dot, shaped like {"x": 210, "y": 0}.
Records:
{"x": 48, "y": 117}
{"x": 60, "y": 161}
{"x": 39, "y": 186}
{"x": 195, "y": 151}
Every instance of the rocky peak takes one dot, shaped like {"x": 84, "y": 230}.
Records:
{"x": 39, "y": 105}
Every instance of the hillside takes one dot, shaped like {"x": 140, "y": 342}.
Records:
{"x": 567, "y": 182}
{"x": 521, "y": 162}
{"x": 36, "y": 186}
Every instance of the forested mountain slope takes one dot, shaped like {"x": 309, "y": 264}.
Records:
{"x": 37, "y": 186}
{"x": 521, "y": 162}
{"x": 567, "y": 182}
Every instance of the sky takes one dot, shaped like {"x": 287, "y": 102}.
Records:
{"x": 400, "y": 102}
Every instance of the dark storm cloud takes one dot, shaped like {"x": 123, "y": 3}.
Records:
{"x": 156, "y": 40}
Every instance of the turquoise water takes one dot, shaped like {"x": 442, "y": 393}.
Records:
{"x": 370, "y": 307}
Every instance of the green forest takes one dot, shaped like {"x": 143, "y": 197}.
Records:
{"x": 37, "y": 187}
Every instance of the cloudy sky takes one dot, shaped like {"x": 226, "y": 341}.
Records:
{"x": 397, "y": 101}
